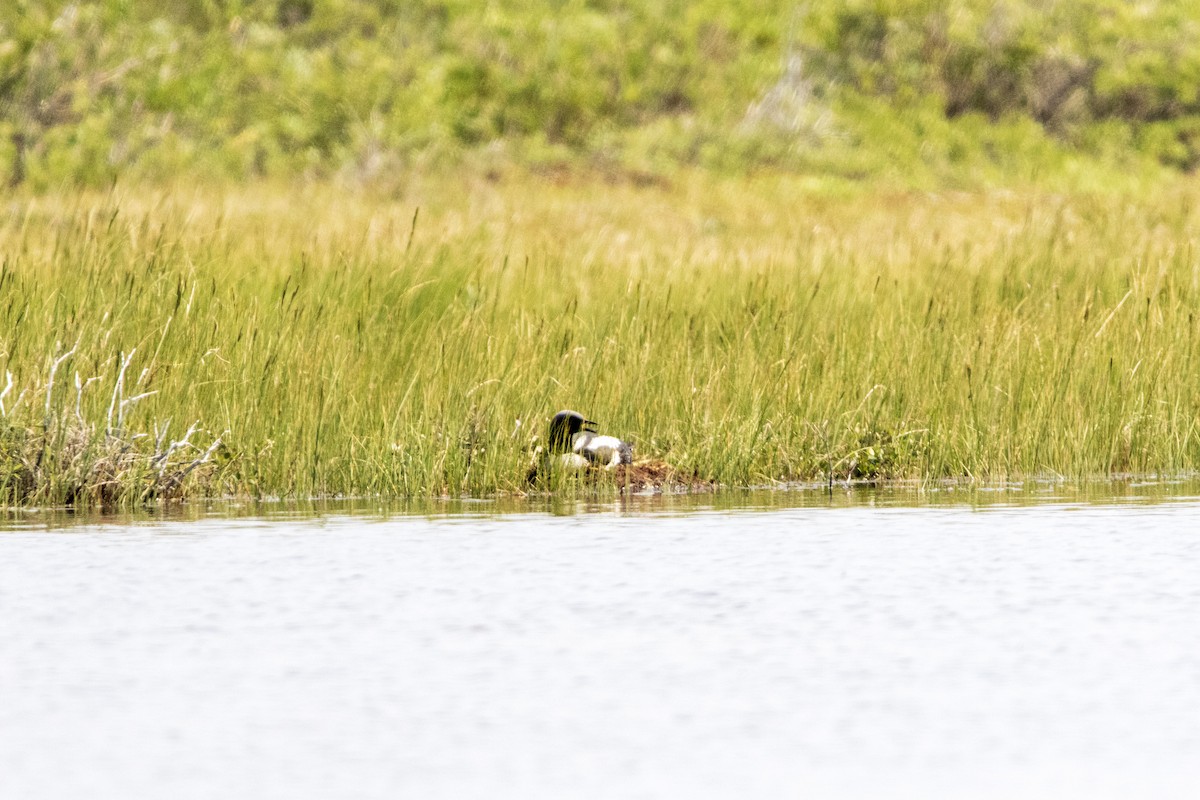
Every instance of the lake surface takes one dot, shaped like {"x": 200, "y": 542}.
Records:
{"x": 792, "y": 645}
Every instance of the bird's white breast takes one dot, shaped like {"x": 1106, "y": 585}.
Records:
{"x": 572, "y": 461}
{"x": 605, "y": 450}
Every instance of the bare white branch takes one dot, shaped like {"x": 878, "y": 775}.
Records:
{"x": 117, "y": 389}
{"x": 50, "y": 381}
{"x": 17, "y": 402}
{"x": 7, "y": 388}
{"x": 212, "y": 448}
{"x": 163, "y": 460}
{"x": 125, "y": 404}
{"x": 80, "y": 386}
{"x": 160, "y": 436}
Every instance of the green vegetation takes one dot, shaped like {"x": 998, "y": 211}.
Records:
{"x": 367, "y": 248}
{"x": 974, "y": 92}
{"x": 739, "y": 329}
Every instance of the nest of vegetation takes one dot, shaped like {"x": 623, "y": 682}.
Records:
{"x": 644, "y": 476}
{"x": 654, "y": 475}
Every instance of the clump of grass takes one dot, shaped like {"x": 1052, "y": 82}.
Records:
{"x": 66, "y": 459}
{"x": 873, "y": 454}
{"x": 745, "y": 331}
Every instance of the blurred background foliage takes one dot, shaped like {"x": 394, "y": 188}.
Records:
{"x": 361, "y": 90}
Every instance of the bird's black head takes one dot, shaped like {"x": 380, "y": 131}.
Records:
{"x": 563, "y": 428}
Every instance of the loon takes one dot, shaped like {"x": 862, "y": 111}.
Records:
{"x": 577, "y": 444}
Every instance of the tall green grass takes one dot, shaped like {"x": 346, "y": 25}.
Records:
{"x": 749, "y": 331}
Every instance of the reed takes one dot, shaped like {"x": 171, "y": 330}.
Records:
{"x": 746, "y": 331}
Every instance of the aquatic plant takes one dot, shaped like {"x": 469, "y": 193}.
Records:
{"x": 745, "y": 331}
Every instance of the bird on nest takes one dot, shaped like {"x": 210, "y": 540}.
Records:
{"x": 574, "y": 445}
{"x": 572, "y": 442}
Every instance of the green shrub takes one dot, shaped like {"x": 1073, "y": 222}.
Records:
{"x": 94, "y": 91}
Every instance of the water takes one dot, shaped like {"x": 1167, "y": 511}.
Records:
{"x": 670, "y": 650}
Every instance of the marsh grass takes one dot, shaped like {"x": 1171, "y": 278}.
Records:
{"x": 747, "y": 332}
{"x": 69, "y": 459}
